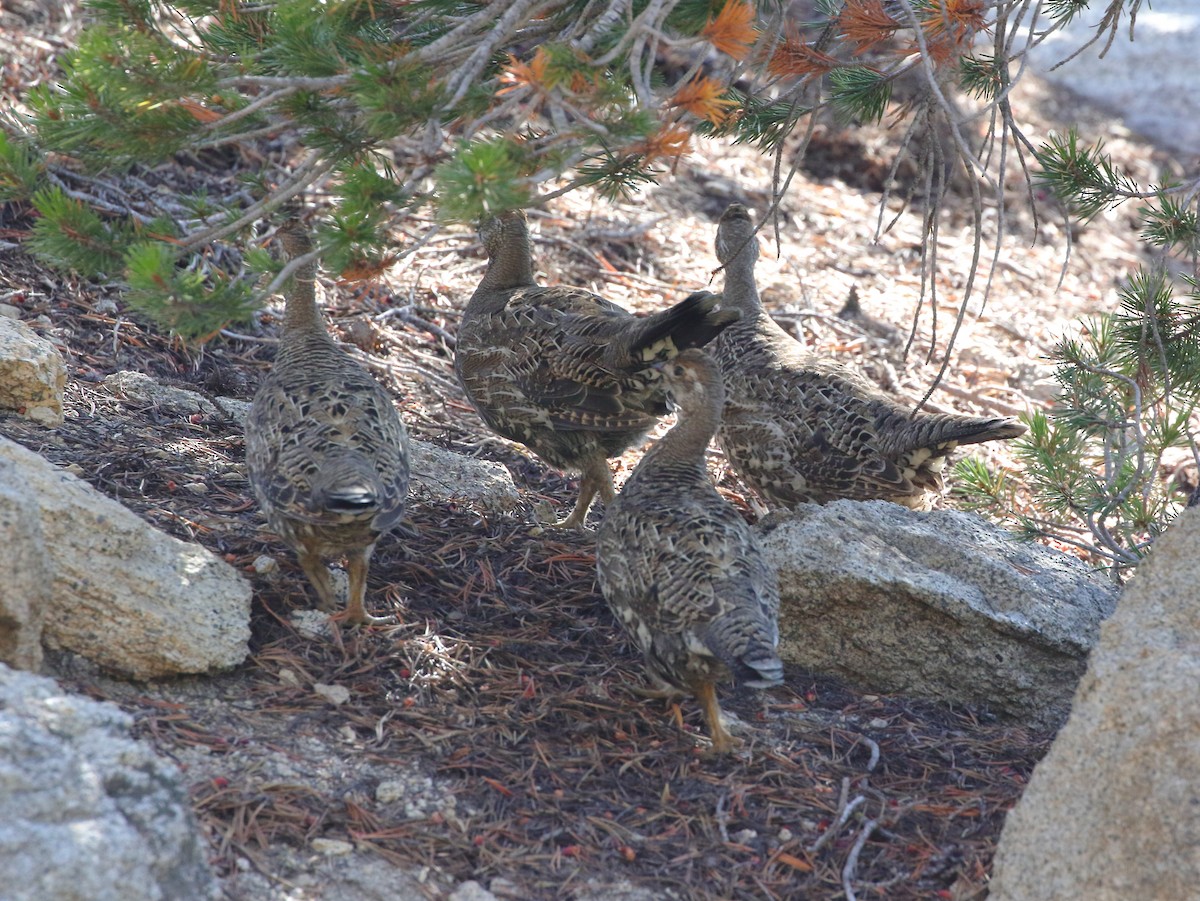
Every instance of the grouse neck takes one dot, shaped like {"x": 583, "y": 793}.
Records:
{"x": 301, "y": 313}
{"x": 741, "y": 292}
{"x": 510, "y": 263}
{"x": 691, "y": 434}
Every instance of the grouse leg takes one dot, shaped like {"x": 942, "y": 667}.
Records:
{"x": 596, "y": 479}
{"x": 722, "y": 741}
{"x": 356, "y": 613}
{"x": 320, "y": 578}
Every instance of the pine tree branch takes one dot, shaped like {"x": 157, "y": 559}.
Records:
{"x": 300, "y": 178}
{"x": 93, "y": 199}
{"x": 239, "y": 137}
{"x": 649, "y": 15}
{"x": 605, "y": 22}
{"x": 458, "y": 36}
{"x": 253, "y": 107}
{"x": 294, "y": 82}
{"x": 460, "y": 81}
{"x": 931, "y": 79}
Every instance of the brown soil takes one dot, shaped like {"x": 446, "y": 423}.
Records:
{"x": 503, "y": 707}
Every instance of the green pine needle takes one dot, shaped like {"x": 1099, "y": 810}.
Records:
{"x": 125, "y": 13}
{"x": 194, "y": 301}
{"x": 980, "y": 76}
{"x": 617, "y": 177}
{"x": 397, "y": 99}
{"x": 859, "y": 93}
{"x": 1065, "y": 11}
{"x": 1083, "y": 177}
{"x": 70, "y": 235}
{"x": 1171, "y": 225}
{"x": 483, "y": 179}
{"x": 762, "y": 124}
{"x": 20, "y": 169}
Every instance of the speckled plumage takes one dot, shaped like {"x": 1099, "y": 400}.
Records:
{"x": 679, "y": 566}
{"x": 562, "y": 370}
{"x": 799, "y": 428}
{"x": 326, "y": 451}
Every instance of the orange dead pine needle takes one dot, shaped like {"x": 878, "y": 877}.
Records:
{"x": 950, "y": 26}
{"x": 794, "y": 862}
{"x": 669, "y": 142}
{"x": 866, "y": 23}
{"x": 199, "y": 111}
{"x": 795, "y": 58}
{"x": 498, "y": 786}
{"x": 520, "y": 75}
{"x": 362, "y": 269}
{"x": 732, "y": 31}
{"x": 702, "y": 98}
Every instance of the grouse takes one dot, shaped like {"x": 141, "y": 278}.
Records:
{"x": 564, "y": 371}
{"x": 327, "y": 453}
{"x": 801, "y": 428}
{"x": 679, "y": 566}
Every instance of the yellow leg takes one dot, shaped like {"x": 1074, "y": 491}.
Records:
{"x": 664, "y": 693}
{"x": 596, "y": 478}
{"x": 321, "y": 580}
{"x": 357, "y": 566}
{"x": 722, "y": 741}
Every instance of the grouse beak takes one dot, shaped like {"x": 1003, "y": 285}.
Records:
{"x": 660, "y": 367}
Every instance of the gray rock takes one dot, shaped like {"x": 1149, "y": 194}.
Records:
{"x": 122, "y": 593}
{"x": 440, "y": 476}
{"x": 23, "y": 590}
{"x": 471, "y": 891}
{"x": 361, "y": 876}
{"x": 1113, "y": 812}
{"x": 86, "y": 813}
{"x": 595, "y": 890}
{"x": 939, "y": 605}
{"x": 32, "y": 373}
{"x": 138, "y": 386}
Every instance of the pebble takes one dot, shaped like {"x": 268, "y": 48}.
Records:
{"x": 311, "y": 623}
{"x": 391, "y": 790}
{"x": 265, "y": 565}
{"x": 471, "y": 891}
{"x": 334, "y": 694}
{"x": 331, "y": 847}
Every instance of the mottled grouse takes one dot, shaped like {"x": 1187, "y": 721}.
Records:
{"x": 326, "y": 450}
{"x": 799, "y": 428}
{"x": 680, "y": 567}
{"x": 563, "y": 371}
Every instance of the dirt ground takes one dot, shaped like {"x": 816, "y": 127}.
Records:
{"x": 494, "y": 735}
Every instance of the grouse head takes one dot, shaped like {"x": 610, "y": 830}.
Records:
{"x": 735, "y": 234}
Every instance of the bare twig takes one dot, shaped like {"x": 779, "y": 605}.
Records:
{"x": 851, "y": 865}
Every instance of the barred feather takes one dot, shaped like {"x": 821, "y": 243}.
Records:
{"x": 562, "y": 370}
{"x": 326, "y": 451}
{"x": 799, "y": 428}
{"x": 679, "y": 566}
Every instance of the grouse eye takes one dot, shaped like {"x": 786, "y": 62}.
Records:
{"x": 678, "y": 371}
